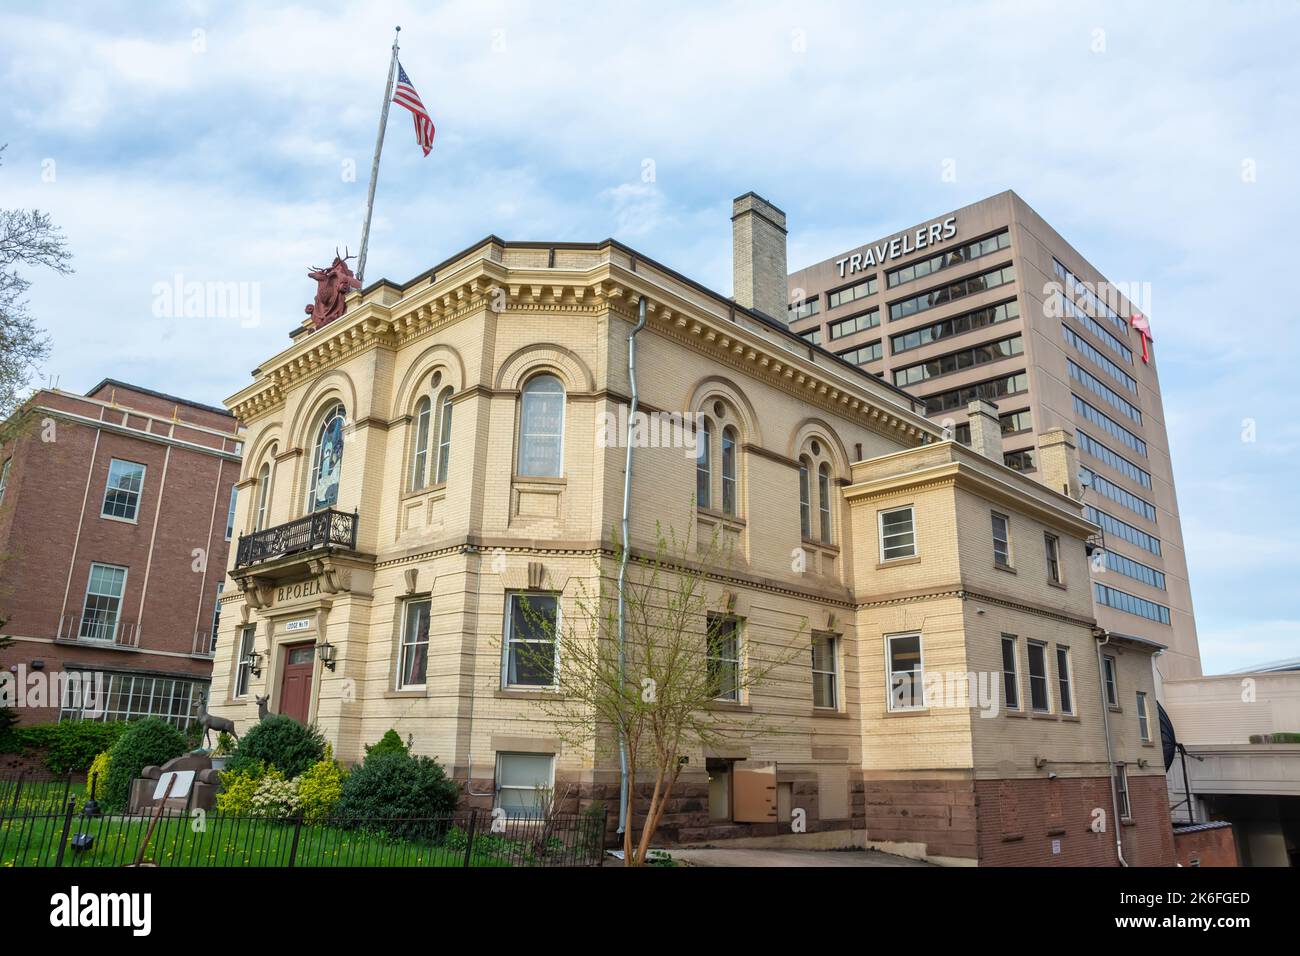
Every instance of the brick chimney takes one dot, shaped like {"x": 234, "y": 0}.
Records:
{"x": 1058, "y": 464}
{"x": 985, "y": 429}
{"x": 758, "y": 256}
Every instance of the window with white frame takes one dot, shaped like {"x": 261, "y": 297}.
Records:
{"x": 102, "y": 609}
{"x": 327, "y": 460}
{"x": 824, "y": 672}
{"x": 1038, "y": 696}
{"x": 263, "y": 496}
{"x": 824, "y": 501}
{"x": 444, "y": 437}
{"x": 420, "y": 448}
{"x": 1144, "y": 720}
{"x": 4, "y": 478}
{"x": 414, "y": 659}
{"x": 1010, "y": 673}
{"x": 230, "y": 514}
{"x": 216, "y": 615}
{"x": 1121, "y": 792}
{"x": 532, "y": 623}
{"x": 125, "y": 696}
{"x": 1109, "y": 679}
{"x": 244, "y": 662}
{"x": 1052, "y": 547}
{"x": 722, "y": 661}
{"x": 897, "y": 534}
{"x": 541, "y": 428}
{"x": 729, "y": 453}
{"x": 1064, "y": 679}
{"x": 1001, "y": 539}
{"x": 805, "y": 500}
{"x": 525, "y": 783}
{"x": 122, "y": 491}
{"x": 906, "y": 672}
{"x": 704, "y": 466}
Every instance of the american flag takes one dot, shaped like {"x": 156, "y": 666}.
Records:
{"x": 405, "y": 95}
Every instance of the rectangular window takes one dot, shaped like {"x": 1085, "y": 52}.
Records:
{"x": 812, "y": 336}
{"x": 1108, "y": 425}
{"x": 1121, "y": 496}
{"x": 122, "y": 493}
{"x": 216, "y": 615}
{"x": 415, "y": 644}
{"x": 100, "y": 614}
{"x": 1022, "y": 459}
{"x": 1104, "y": 392}
{"x": 129, "y": 696}
{"x": 532, "y": 623}
{"x": 859, "y": 290}
{"x": 906, "y": 672}
{"x": 4, "y": 478}
{"x": 957, "y": 325}
{"x": 825, "y": 682}
{"x": 991, "y": 390}
{"x": 801, "y": 310}
{"x": 1122, "y": 529}
{"x": 1086, "y": 348}
{"x": 897, "y": 534}
{"x": 1091, "y": 303}
{"x": 855, "y": 323}
{"x": 1010, "y": 676}
{"x": 1038, "y": 699}
{"x": 1063, "y": 677}
{"x": 1001, "y": 540}
{"x": 962, "y": 254}
{"x": 1131, "y": 604}
{"x": 971, "y": 285}
{"x": 1135, "y": 570}
{"x": 863, "y": 354}
{"x": 1108, "y": 675}
{"x": 1052, "y": 547}
{"x": 1108, "y": 457}
{"x": 1144, "y": 723}
{"x": 960, "y": 361}
{"x": 525, "y": 783}
{"x": 230, "y": 514}
{"x": 1068, "y": 307}
{"x": 1121, "y": 792}
{"x": 723, "y": 659}
{"x": 244, "y": 663}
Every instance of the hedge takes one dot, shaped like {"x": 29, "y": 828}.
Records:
{"x": 68, "y": 746}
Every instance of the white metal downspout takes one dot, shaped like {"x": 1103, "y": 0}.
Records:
{"x": 1110, "y": 757}
{"x": 622, "y": 562}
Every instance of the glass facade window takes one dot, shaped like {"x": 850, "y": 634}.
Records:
{"x": 1086, "y": 348}
{"x": 1131, "y": 604}
{"x": 971, "y": 285}
{"x": 971, "y": 357}
{"x": 532, "y": 623}
{"x": 870, "y": 352}
{"x": 957, "y": 325}
{"x": 541, "y": 428}
{"x": 1112, "y": 459}
{"x": 801, "y": 310}
{"x": 855, "y": 323}
{"x": 122, "y": 493}
{"x": 1102, "y": 391}
{"x": 991, "y": 390}
{"x": 1068, "y": 308}
{"x": 1091, "y": 304}
{"x": 723, "y": 659}
{"x": 851, "y": 293}
{"x": 1122, "y": 529}
{"x": 897, "y": 534}
{"x": 953, "y": 257}
{"x": 1107, "y": 488}
{"x": 825, "y": 679}
{"x": 1135, "y": 570}
{"x": 129, "y": 696}
{"x": 1107, "y": 424}
{"x": 906, "y": 672}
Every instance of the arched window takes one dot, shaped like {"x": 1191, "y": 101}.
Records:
{"x": 728, "y": 471}
{"x": 704, "y": 466}
{"x": 444, "y": 435}
{"x": 263, "y": 496}
{"x": 824, "y": 501}
{"x": 420, "y": 450}
{"x": 327, "y": 460}
{"x": 805, "y": 500}
{"x": 541, "y": 428}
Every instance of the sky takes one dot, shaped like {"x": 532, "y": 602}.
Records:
{"x": 231, "y": 142}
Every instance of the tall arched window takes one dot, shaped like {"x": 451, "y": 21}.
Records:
{"x": 704, "y": 466}
{"x": 805, "y": 500}
{"x": 541, "y": 428}
{"x": 444, "y": 435}
{"x": 263, "y": 496}
{"x": 824, "y": 500}
{"x": 420, "y": 449}
{"x": 327, "y": 460}
{"x": 728, "y": 471}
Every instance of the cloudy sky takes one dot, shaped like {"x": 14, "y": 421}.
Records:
{"x": 231, "y": 142}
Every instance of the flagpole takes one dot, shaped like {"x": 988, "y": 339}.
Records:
{"x": 374, "y": 167}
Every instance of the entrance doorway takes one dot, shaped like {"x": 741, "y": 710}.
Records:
{"x": 295, "y": 682}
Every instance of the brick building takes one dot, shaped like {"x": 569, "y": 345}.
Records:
{"x": 115, "y": 511}
{"x": 424, "y": 466}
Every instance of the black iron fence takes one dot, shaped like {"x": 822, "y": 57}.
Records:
{"x": 32, "y": 833}
{"x": 320, "y": 529}
{"x": 34, "y": 793}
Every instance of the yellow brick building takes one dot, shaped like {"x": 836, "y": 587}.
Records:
{"x": 417, "y": 468}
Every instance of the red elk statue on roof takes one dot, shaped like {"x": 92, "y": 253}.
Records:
{"x": 332, "y": 286}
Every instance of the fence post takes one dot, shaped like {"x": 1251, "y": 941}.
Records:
{"x": 67, "y": 827}
{"x": 293, "y": 847}
{"x": 18, "y": 789}
{"x": 469, "y": 839}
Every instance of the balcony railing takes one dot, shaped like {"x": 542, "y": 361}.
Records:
{"x": 205, "y": 643}
{"x": 105, "y": 630}
{"x": 323, "y": 529}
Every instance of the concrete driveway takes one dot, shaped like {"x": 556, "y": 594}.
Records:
{"x": 716, "y": 856}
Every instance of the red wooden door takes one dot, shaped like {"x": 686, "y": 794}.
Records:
{"x": 295, "y": 684}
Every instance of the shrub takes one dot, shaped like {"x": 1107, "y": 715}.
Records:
{"x": 98, "y": 775}
{"x": 225, "y": 745}
{"x": 69, "y": 746}
{"x": 390, "y": 743}
{"x": 321, "y": 787}
{"x": 282, "y": 743}
{"x": 276, "y": 797}
{"x": 396, "y": 793}
{"x": 238, "y": 788}
{"x": 144, "y": 743}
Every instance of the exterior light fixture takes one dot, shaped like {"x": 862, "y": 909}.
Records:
{"x": 255, "y": 663}
{"x": 325, "y": 650}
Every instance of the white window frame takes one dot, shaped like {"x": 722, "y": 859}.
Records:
{"x": 1144, "y": 718}
{"x": 805, "y": 499}
{"x": 730, "y": 476}
{"x": 1065, "y": 680}
{"x": 139, "y": 493}
{"x": 230, "y": 514}
{"x": 736, "y": 663}
{"x": 509, "y": 639}
{"x": 1052, "y": 550}
{"x": 704, "y": 465}
{"x": 4, "y": 478}
{"x": 834, "y": 673}
{"x": 216, "y": 614}
{"x": 405, "y": 644}
{"x": 880, "y": 525}
{"x": 1046, "y": 677}
{"x": 1014, "y": 673}
{"x": 994, "y": 518}
{"x": 117, "y": 613}
{"x": 825, "y": 524}
{"x": 1119, "y": 780}
{"x": 334, "y": 409}
{"x": 498, "y": 786}
{"x": 263, "y": 496}
{"x": 244, "y": 660}
{"x": 442, "y": 461}
{"x": 890, "y": 672}
{"x": 419, "y": 475}
{"x": 1110, "y": 680}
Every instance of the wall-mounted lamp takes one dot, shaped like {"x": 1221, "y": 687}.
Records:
{"x": 325, "y": 650}
{"x": 255, "y": 663}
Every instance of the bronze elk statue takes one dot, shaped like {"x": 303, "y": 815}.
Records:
{"x": 209, "y": 722}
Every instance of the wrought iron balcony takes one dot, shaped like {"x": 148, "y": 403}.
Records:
{"x": 321, "y": 529}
